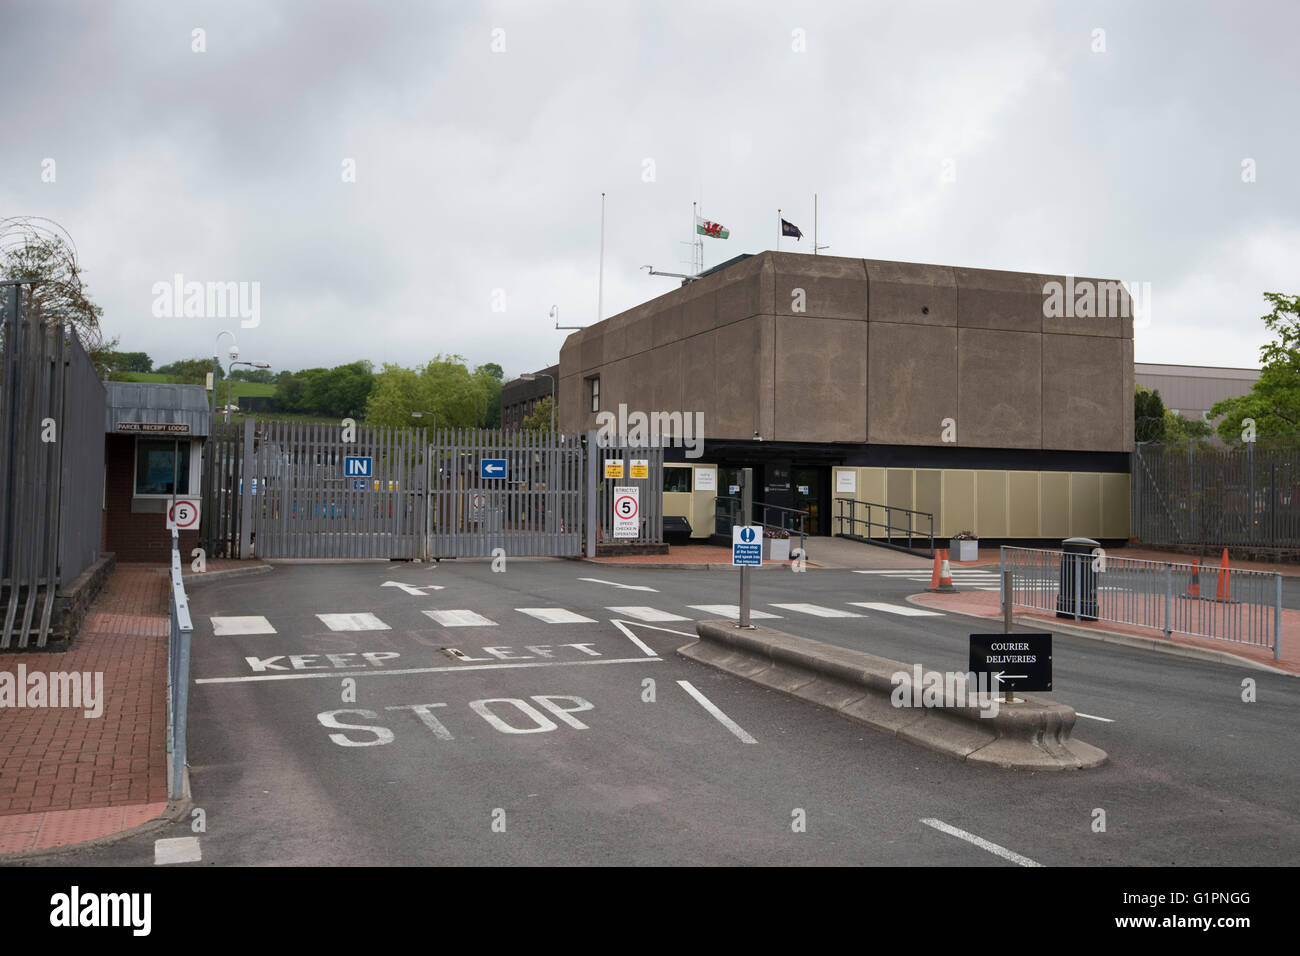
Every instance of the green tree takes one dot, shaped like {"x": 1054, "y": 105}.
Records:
{"x": 1149, "y": 421}
{"x": 190, "y": 371}
{"x": 493, "y": 377}
{"x": 1273, "y": 402}
{"x": 262, "y": 376}
{"x": 1178, "y": 428}
{"x": 443, "y": 386}
{"x": 128, "y": 361}
{"x": 540, "y": 419}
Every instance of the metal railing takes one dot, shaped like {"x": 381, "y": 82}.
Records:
{"x": 1237, "y": 605}
{"x": 179, "y": 631}
{"x": 890, "y": 529}
{"x": 792, "y": 520}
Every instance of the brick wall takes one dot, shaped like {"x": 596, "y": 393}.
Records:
{"x": 130, "y": 536}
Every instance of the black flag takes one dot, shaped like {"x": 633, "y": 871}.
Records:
{"x": 790, "y": 229}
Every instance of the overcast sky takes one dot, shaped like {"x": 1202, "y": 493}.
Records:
{"x": 479, "y": 170}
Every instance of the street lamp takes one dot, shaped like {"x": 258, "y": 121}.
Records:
{"x": 230, "y": 382}
{"x": 532, "y": 377}
{"x": 216, "y": 364}
{"x": 433, "y": 415}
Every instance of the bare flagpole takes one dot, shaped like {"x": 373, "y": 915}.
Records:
{"x": 814, "y": 224}
{"x": 778, "y": 230}
{"x": 600, "y": 281}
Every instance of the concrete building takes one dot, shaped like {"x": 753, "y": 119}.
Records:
{"x": 959, "y": 392}
{"x": 1192, "y": 390}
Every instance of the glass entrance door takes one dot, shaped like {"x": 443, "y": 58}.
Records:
{"x": 808, "y": 497}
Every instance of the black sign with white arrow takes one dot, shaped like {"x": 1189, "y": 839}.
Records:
{"x": 1013, "y": 661}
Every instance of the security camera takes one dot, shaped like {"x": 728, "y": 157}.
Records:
{"x": 234, "y": 352}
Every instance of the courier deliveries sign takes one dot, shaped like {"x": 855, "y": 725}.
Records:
{"x": 1013, "y": 661}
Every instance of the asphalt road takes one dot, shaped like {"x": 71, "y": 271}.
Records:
{"x": 539, "y": 743}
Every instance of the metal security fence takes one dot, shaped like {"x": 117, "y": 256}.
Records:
{"x": 628, "y": 459}
{"x": 1185, "y": 495}
{"x": 518, "y": 491}
{"x": 223, "y": 470}
{"x": 51, "y": 468}
{"x": 179, "y": 630}
{"x": 317, "y": 491}
{"x": 1236, "y": 605}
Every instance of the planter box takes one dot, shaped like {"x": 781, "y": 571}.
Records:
{"x": 776, "y": 549}
{"x": 965, "y": 550}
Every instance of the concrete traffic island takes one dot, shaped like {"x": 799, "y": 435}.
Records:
{"x": 1032, "y": 734}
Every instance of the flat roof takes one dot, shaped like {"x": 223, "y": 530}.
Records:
{"x": 149, "y": 408}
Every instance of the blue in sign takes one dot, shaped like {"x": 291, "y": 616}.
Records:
{"x": 747, "y": 546}
{"x": 492, "y": 468}
{"x": 358, "y": 467}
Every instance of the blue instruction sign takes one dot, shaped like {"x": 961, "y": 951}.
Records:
{"x": 747, "y": 546}
{"x": 492, "y": 468}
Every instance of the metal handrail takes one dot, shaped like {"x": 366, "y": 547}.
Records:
{"x": 179, "y": 630}
{"x": 888, "y": 524}
{"x": 734, "y": 507}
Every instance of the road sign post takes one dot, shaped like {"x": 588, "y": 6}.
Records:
{"x": 746, "y": 507}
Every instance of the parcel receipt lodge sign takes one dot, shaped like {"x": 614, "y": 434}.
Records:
{"x": 1013, "y": 661}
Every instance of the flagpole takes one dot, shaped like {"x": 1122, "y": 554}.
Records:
{"x": 778, "y": 229}
{"x": 814, "y": 224}
{"x": 600, "y": 281}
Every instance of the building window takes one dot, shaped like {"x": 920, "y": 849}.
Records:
{"x": 595, "y": 393}
{"x": 677, "y": 479}
{"x": 158, "y": 463}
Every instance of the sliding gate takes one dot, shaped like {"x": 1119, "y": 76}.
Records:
{"x": 316, "y": 491}
{"x": 514, "y": 490}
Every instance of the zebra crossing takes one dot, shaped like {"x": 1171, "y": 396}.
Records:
{"x": 973, "y": 579}
{"x": 356, "y": 621}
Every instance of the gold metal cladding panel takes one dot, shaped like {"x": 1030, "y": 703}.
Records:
{"x": 1054, "y": 505}
{"x": 1085, "y": 504}
{"x": 991, "y": 504}
{"x": 1024, "y": 497}
{"x": 958, "y": 504}
{"x": 898, "y": 487}
{"x": 1115, "y": 514}
{"x": 930, "y": 490}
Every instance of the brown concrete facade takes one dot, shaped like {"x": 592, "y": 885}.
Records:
{"x": 881, "y": 353}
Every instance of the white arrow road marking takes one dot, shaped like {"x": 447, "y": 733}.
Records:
{"x": 625, "y": 587}
{"x": 622, "y": 626}
{"x": 980, "y": 842}
{"x": 712, "y": 708}
{"x": 417, "y": 589}
{"x": 647, "y": 614}
{"x": 176, "y": 850}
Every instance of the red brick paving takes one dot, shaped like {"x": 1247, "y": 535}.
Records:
{"x": 65, "y": 777}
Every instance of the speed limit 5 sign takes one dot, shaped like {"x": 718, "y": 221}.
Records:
{"x": 183, "y": 514}
{"x": 627, "y": 512}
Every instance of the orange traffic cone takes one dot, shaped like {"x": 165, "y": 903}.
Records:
{"x": 1221, "y": 594}
{"x": 941, "y": 579}
{"x": 1194, "y": 589}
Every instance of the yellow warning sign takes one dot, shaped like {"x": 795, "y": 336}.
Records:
{"x": 640, "y": 468}
{"x": 614, "y": 468}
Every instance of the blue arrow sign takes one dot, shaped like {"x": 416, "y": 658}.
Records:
{"x": 492, "y": 468}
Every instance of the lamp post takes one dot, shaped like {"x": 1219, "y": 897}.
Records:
{"x": 432, "y": 415}
{"x": 216, "y": 364}
{"x": 230, "y": 382}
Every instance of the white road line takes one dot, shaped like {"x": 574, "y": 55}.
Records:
{"x": 229, "y": 626}
{"x": 625, "y": 587}
{"x": 902, "y": 609}
{"x": 1104, "y": 720}
{"x": 980, "y": 842}
{"x": 730, "y": 610}
{"x": 176, "y": 850}
{"x": 633, "y": 638}
{"x": 722, "y": 718}
{"x": 363, "y": 621}
{"x": 816, "y": 610}
{"x": 459, "y": 618}
{"x": 555, "y": 615}
{"x": 404, "y": 671}
{"x": 647, "y": 614}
